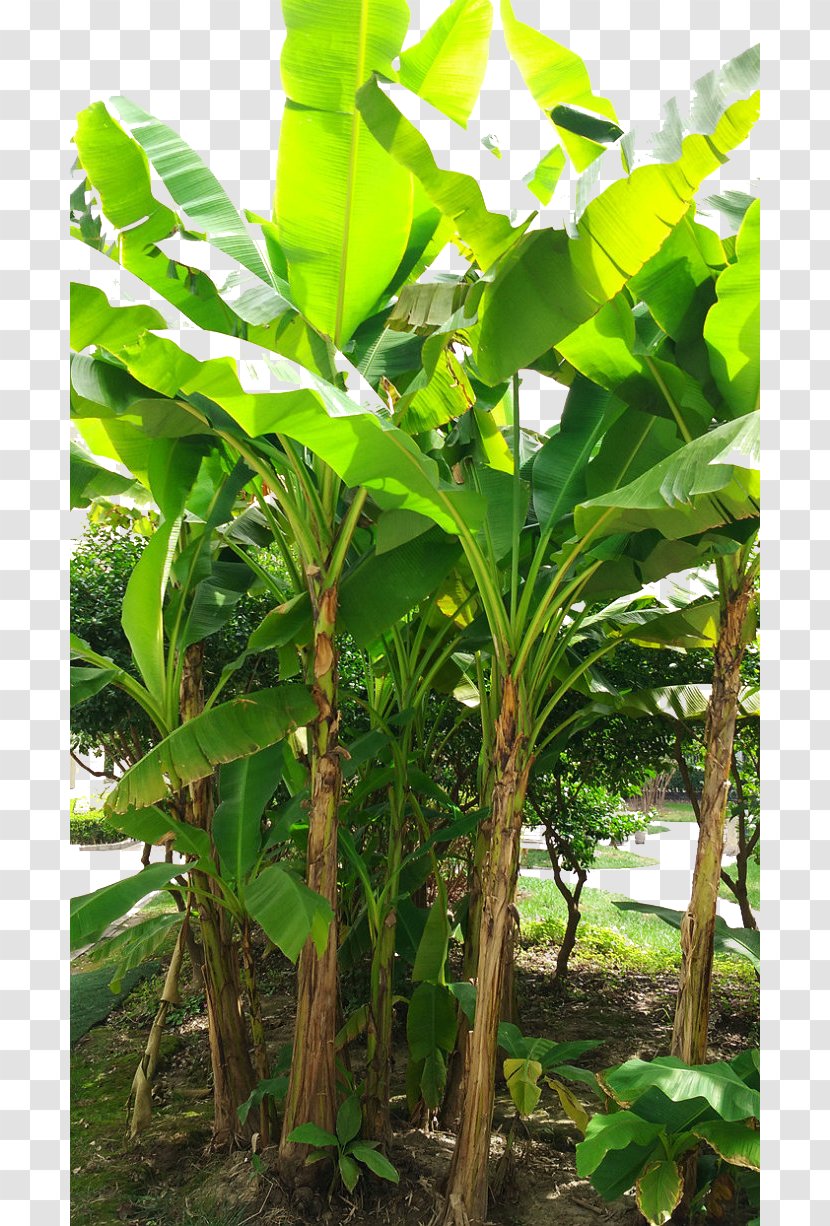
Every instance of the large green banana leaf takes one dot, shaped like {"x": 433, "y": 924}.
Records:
{"x": 446, "y": 68}
{"x": 607, "y": 350}
{"x": 558, "y": 80}
{"x": 288, "y": 911}
{"x": 548, "y": 284}
{"x": 559, "y": 467}
{"x": 343, "y": 207}
{"x": 245, "y": 787}
{"x": 88, "y": 480}
{"x": 194, "y": 188}
{"x": 486, "y": 234}
{"x": 678, "y": 282}
{"x": 118, "y": 174}
{"x": 717, "y": 1082}
{"x": 173, "y": 466}
{"x": 91, "y": 913}
{"x": 630, "y": 447}
{"x": 361, "y": 447}
{"x": 711, "y": 481}
{"x": 222, "y": 734}
{"x": 92, "y": 321}
{"x": 732, "y": 328}
{"x": 682, "y": 703}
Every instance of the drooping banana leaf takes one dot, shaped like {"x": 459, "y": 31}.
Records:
{"x": 558, "y": 80}
{"x": 362, "y": 447}
{"x": 744, "y": 942}
{"x": 711, "y": 481}
{"x": 458, "y": 196}
{"x": 548, "y": 284}
{"x": 245, "y": 787}
{"x": 91, "y": 914}
{"x": 195, "y": 188}
{"x": 446, "y": 68}
{"x": 221, "y": 734}
{"x": 89, "y": 480}
{"x": 118, "y": 175}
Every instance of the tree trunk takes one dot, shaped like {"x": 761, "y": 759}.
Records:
{"x": 261, "y": 1062}
{"x": 691, "y": 1019}
{"x": 574, "y": 916}
{"x": 312, "y": 1096}
{"x": 377, "y": 1124}
{"x": 509, "y": 1011}
{"x": 233, "y": 1074}
{"x": 450, "y": 1112}
{"x": 466, "y": 1200}
{"x": 683, "y": 767}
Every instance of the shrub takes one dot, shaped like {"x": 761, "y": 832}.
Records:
{"x": 92, "y": 828}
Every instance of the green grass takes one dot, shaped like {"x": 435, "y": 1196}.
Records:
{"x": 657, "y": 830}
{"x": 676, "y": 811}
{"x": 753, "y": 884}
{"x": 543, "y": 915}
{"x": 614, "y": 857}
{"x": 627, "y": 939}
{"x": 607, "y": 857}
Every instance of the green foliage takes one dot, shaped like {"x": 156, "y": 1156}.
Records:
{"x": 348, "y": 1152}
{"x": 92, "y": 828}
{"x": 463, "y": 551}
{"x": 102, "y": 561}
{"x": 91, "y": 914}
{"x": 659, "y": 1110}
{"x": 527, "y": 1059}
{"x": 273, "y": 1088}
{"x": 579, "y": 816}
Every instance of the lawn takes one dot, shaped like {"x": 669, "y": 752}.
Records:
{"x": 643, "y": 943}
{"x": 607, "y": 857}
{"x": 604, "y": 929}
{"x": 676, "y": 811}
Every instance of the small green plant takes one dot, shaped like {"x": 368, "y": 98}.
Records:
{"x": 527, "y": 1059}
{"x": 274, "y": 1087}
{"x": 349, "y": 1151}
{"x": 656, "y": 1113}
{"x": 193, "y": 1006}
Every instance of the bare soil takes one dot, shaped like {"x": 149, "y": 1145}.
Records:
{"x": 172, "y": 1178}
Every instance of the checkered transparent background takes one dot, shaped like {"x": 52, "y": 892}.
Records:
{"x": 211, "y": 69}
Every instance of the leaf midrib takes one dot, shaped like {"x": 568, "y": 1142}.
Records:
{"x": 354, "y": 137}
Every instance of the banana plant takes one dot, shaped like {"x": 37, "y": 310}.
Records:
{"x": 336, "y": 253}
{"x": 659, "y": 1110}
{"x": 542, "y": 289}
{"x": 695, "y": 308}
{"x": 181, "y": 590}
{"x": 138, "y": 383}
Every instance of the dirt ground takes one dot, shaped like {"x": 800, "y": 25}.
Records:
{"x": 172, "y": 1178}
